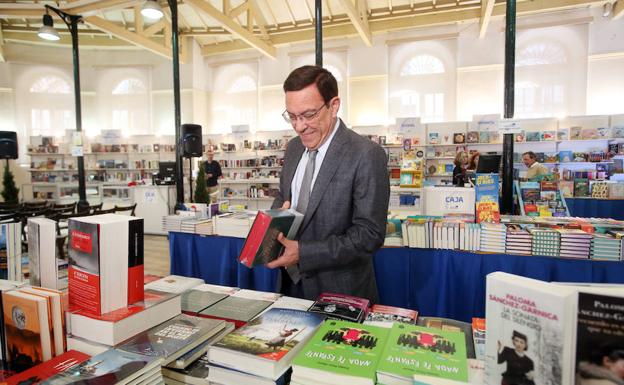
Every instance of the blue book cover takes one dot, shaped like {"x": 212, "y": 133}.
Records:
{"x": 566, "y": 156}
{"x": 486, "y": 198}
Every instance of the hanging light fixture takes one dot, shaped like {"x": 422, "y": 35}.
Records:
{"x": 47, "y": 31}
{"x": 152, "y": 10}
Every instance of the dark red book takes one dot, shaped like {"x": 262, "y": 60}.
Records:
{"x": 341, "y": 306}
{"x": 261, "y": 245}
{"x": 45, "y": 370}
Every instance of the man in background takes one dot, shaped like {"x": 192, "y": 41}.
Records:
{"x": 212, "y": 168}
{"x": 535, "y": 168}
{"x": 339, "y": 181}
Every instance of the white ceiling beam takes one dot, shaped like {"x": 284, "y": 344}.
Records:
{"x": 357, "y": 15}
{"x": 2, "y": 57}
{"x": 104, "y": 5}
{"x": 486, "y": 14}
{"x": 234, "y": 28}
{"x": 138, "y": 20}
{"x": 618, "y": 10}
{"x": 130, "y": 37}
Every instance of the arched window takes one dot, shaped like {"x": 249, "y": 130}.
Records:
{"x": 129, "y": 86}
{"x": 50, "y": 85}
{"x": 422, "y": 65}
{"x": 50, "y": 116}
{"x": 130, "y": 106}
{"x": 244, "y": 83}
{"x": 541, "y": 53}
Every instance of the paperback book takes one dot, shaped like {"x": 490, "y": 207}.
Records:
{"x": 173, "y": 338}
{"x": 38, "y": 374}
{"x": 423, "y": 355}
{"x": 529, "y": 331}
{"x": 266, "y": 345}
{"x": 341, "y": 306}
{"x": 341, "y": 352}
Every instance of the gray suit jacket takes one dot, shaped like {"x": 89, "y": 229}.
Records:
{"x": 345, "y": 222}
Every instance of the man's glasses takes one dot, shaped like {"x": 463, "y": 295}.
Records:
{"x": 306, "y": 117}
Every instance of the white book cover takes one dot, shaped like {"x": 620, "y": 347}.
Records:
{"x": 174, "y": 284}
{"x": 43, "y": 266}
{"x": 530, "y": 332}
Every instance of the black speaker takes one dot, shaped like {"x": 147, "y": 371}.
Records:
{"x": 192, "y": 140}
{"x": 8, "y": 145}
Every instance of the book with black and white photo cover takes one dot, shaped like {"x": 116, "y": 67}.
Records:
{"x": 173, "y": 338}
{"x": 261, "y": 245}
{"x": 599, "y": 335}
{"x": 341, "y": 306}
{"x": 105, "y": 262}
{"x": 194, "y": 301}
{"x": 110, "y": 367}
{"x": 385, "y": 316}
{"x": 266, "y": 346}
{"x": 42, "y": 262}
{"x": 530, "y": 331}
{"x": 194, "y": 354}
{"x": 236, "y": 309}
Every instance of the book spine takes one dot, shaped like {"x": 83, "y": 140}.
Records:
{"x": 135, "y": 261}
{"x": 254, "y": 239}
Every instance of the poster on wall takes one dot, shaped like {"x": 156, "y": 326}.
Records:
{"x": 486, "y": 198}
{"x": 111, "y": 136}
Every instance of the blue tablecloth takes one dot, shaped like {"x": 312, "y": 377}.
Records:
{"x": 597, "y": 208}
{"x": 443, "y": 283}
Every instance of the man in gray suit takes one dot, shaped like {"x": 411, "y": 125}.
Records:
{"x": 339, "y": 181}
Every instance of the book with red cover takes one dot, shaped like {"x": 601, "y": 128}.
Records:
{"x": 261, "y": 245}
{"x": 341, "y": 306}
{"x": 43, "y": 371}
{"x": 98, "y": 246}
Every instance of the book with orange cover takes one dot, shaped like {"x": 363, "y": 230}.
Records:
{"x": 27, "y": 329}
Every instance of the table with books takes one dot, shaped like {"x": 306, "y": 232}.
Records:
{"x": 444, "y": 283}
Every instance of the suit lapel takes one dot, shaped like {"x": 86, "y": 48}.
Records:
{"x": 289, "y": 169}
{"x": 332, "y": 160}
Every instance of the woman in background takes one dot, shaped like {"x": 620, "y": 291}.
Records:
{"x": 459, "y": 172}
{"x": 474, "y": 161}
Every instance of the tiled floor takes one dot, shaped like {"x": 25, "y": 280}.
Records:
{"x": 156, "y": 255}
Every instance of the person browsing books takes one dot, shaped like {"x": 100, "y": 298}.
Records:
{"x": 535, "y": 168}
{"x": 212, "y": 168}
{"x": 519, "y": 365}
{"x": 459, "y": 172}
{"x": 339, "y": 181}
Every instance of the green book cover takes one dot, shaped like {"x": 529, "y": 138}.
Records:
{"x": 340, "y": 350}
{"x": 415, "y": 351}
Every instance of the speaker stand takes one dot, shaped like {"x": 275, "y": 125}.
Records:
{"x": 190, "y": 180}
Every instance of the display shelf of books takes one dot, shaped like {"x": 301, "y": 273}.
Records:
{"x": 251, "y": 170}
{"x": 542, "y": 199}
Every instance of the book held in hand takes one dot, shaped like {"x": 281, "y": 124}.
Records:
{"x": 261, "y": 245}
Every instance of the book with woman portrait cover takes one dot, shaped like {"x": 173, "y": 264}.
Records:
{"x": 530, "y": 326}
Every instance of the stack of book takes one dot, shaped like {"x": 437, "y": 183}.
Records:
{"x": 192, "y": 367}
{"x": 174, "y": 284}
{"x": 44, "y": 269}
{"x": 174, "y": 222}
{"x": 470, "y": 236}
{"x": 606, "y": 247}
{"x": 493, "y": 237}
{"x": 263, "y": 349}
{"x": 545, "y": 242}
{"x": 11, "y": 251}
{"x": 197, "y": 226}
{"x": 234, "y": 224}
{"x": 240, "y": 307}
{"x": 33, "y": 326}
{"x": 574, "y": 243}
{"x": 518, "y": 241}
{"x": 112, "y": 367}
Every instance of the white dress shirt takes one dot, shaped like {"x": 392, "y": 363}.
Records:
{"x": 295, "y": 185}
